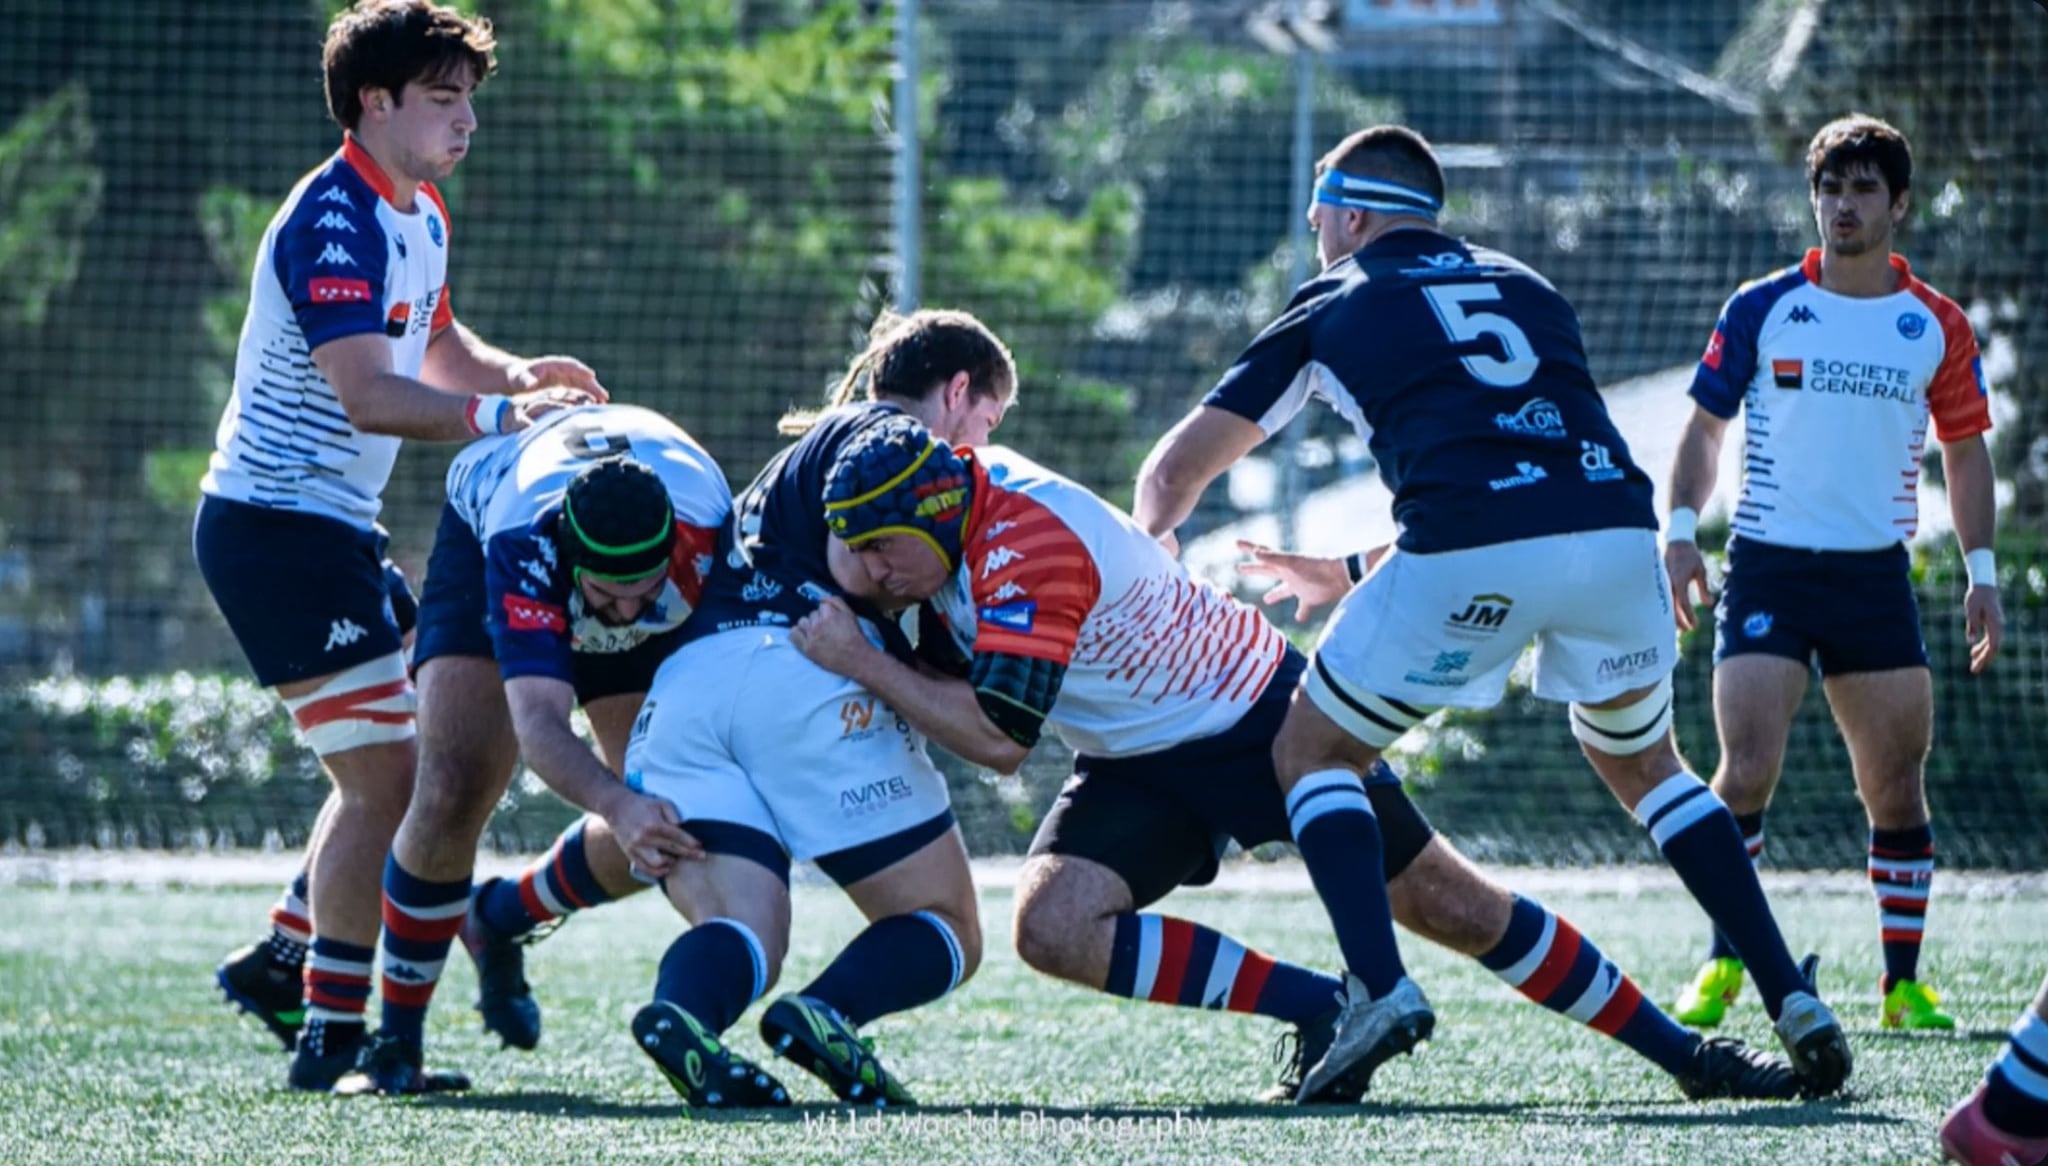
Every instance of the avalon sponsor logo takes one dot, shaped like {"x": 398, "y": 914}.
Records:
{"x": 1539, "y": 418}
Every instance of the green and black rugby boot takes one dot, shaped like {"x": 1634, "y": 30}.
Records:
{"x": 813, "y": 1035}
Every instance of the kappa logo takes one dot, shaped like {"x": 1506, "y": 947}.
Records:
{"x": 336, "y": 254}
{"x": 1802, "y": 315}
{"x": 1009, "y": 590}
{"x": 336, "y": 195}
{"x": 547, "y": 551}
{"x": 1002, "y": 527}
{"x": 998, "y": 559}
{"x": 537, "y": 569}
{"x": 334, "y": 221}
{"x": 343, "y": 632}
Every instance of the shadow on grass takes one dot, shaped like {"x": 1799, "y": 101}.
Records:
{"x": 1832, "y": 1113}
{"x": 559, "y": 1103}
{"x": 1958, "y": 1036}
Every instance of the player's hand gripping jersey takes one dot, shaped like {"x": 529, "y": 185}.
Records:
{"x": 1464, "y": 371}
{"x": 509, "y": 491}
{"x": 1838, "y": 391}
{"x": 1144, "y": 656}
{"x": 338, "y": 260}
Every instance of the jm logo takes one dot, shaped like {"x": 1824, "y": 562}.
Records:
{"x": 343, "y": 632}
{"x": 1484, "y": 613}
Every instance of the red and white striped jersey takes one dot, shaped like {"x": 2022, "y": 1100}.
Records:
{"x": 1048, "y": 570}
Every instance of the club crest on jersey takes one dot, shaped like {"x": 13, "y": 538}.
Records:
{"x": 1016, "y": 617}
{"x": 1912, "y": 325}
{"x": 434, "y": 229}
{"x": 1758, "y": 625}
{"x": 1788, "y": 374}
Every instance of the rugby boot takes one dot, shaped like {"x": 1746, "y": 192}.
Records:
{"x": 1704, "y": 1002}
{"x": 1913, "y": 1006}
{"x": 1369, "y": 1033}
{"x": 391, "y": 1067}
{"x": 698, "y": 1066}
{"x": 813, "y": 1035}
{"x": 323, "y": 1059}
{"x": 502, "y": 996}
{"x": 1813, "y": 1038}
{"x": 273, "y": 995}
{"x": 1728, "y": 1068}
{"x": 1967, "y": 1136}
{"x": 1302, "y": 1047}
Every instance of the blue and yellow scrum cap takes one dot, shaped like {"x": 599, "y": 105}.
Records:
{"x": 896, "y": 478}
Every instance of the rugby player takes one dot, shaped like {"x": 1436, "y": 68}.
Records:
{"x": 2005, "y": 1122}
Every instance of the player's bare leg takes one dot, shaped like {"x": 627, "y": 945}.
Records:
{"x": 923, "y": 940}
{"x": 1887, "y": 720}
{"x": 2006, "y": 1119}
{"x": 1700, "y": 839}
{"x": 1319, "y": 764}
{"x": 372, "y": 783}
{"x": 267, "y": 978}
{"x": 730, "y": 957}
{"x": 1755, "y": 698}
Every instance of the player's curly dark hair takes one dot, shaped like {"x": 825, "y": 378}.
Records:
{"x": 613, "y": 505}
{"x": 385, "y": 44}
{"x": 1858, "y": 140}
{"x": 908, "y": 357}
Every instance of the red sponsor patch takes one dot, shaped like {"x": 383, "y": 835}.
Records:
{"x": 329, "y": 290}
{"x": 531, "y": 615}
{"x": 1713, "y": 357}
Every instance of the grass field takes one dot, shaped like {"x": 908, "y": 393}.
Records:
{"x": 114, "y": 1047}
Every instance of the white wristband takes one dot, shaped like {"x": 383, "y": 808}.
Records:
{"x": 1982, "y": 567}
{"x": 486, "y": 413}
{"x": 1684, "y": 525}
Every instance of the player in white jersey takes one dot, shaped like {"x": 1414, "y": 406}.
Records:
{"x": 568, "y": 557}
{"x": 349, "y": 346}
{"x": 1838, "y": 365}
{"x": 2005, "y": 1121}
{"x": 1045, "y": 606}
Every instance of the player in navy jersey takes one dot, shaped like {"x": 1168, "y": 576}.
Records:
{"x": 769, "y": 758}
{"x": 568, "y": 557}
{"x": 1838, "y": 365}
{"x": 350, "y": 345}
{"x": 1522, "y": 517}
{"x": 1060, "y": 613}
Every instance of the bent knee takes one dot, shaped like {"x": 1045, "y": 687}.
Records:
{"x": 1042, "y": 936}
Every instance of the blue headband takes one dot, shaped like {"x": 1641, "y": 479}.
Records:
{"x": 1373, "y": 194}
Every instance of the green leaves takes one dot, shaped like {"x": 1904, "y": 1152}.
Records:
{"x": 49, "y": 195}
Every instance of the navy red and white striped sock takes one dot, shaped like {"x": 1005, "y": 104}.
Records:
{"x": 557, "y": 884}
{"x": 1544, "y": 957}
{"x": 291, "y": 928}
{"x": 421, "y": 921}
{"x": 1172, "y": 961}
{"x": 1902, "y": 878}
{"x": 337, "y": 994}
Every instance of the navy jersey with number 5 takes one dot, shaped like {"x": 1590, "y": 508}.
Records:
{"x": 1464, "y": 371}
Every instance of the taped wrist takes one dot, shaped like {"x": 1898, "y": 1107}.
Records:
{"x": 1016, "y": 693}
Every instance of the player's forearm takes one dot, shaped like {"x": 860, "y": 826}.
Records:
{"x": 1167, "y": 491}
{"x": 1698, "y": 463}
{"x": 398, "y": 406}
{"x": 567, "y": 765}
{"x": 942, "y": 708}
{"x": 460, "y": 361}
{"x": 1972, "y": 492}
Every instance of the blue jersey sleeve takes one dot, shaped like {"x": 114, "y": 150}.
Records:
{"x": 528, "y": 607}
{"x": 1265, "y": 385}
{"x": 329, "y": 256}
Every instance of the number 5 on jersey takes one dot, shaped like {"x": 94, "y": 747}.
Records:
{"x": 1449, "y": 302}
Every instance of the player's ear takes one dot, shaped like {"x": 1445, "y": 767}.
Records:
{"x": 958, "y": 392}
{"x": 1900, "y": 204}
{"x": 377, "y": 101}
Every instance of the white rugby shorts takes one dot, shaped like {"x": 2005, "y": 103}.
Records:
{"x": 739, "y": 727}
{"x": 1447, "y": 628}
